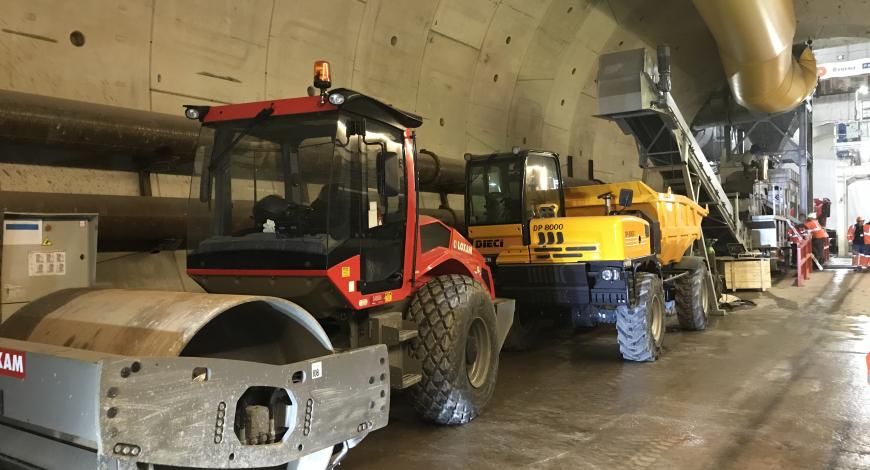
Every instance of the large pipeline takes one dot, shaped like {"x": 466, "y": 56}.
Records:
{"x": 44, "y": 121}
{"x": 755, "y": 37}
{"x": 126, "y": 223}
{"x": 95, "y": 132}
{"x": 439, "y": 175}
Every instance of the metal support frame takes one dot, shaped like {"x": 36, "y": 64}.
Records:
{"x": 630, "y": 95}
{"x": 693, "y": 173}
{"x": 686, "y": 165}
{"x": 798, "y": 152}
{"x": 145, "y": 183}
{"x": 692, "y": 182}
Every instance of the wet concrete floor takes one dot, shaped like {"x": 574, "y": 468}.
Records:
{"x": 783, "y": 385}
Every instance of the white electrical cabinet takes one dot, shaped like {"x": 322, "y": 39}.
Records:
{"x": 44, "y": 253}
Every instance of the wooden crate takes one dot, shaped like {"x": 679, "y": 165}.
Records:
{"x": 745, "y": 273}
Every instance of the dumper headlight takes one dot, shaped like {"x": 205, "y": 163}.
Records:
{"x": 607, "y": 275}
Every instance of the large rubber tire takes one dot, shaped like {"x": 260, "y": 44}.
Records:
{"x": 458, "y": 347}
{"x": 524, "y": 330}
{"x": 693, "y": 299}
{"x": 640, "y": 329}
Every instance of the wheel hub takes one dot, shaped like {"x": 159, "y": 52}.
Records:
{"x": 478, "y": 353}
{"x": 470, "y": 352}
{"x": 705, "y": 298}
{"x": 657, "y": 322}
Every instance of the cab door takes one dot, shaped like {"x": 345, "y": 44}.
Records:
{"x": 384, "y": 209}
{"x": 542, "y": 188}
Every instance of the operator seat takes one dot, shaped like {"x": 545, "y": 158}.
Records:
{"x": 498, "y": 207}
{"x": 331, "y": 211}
{"x": 269, "y": 207}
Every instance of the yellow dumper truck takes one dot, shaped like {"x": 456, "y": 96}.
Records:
{"x": 601, "y": 253}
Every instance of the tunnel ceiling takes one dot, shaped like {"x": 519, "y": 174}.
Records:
{"x": 485, "y": 74}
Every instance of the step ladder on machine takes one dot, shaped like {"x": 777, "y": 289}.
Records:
{"x": 643, "y": 107}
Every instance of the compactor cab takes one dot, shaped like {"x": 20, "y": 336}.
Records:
{"x": 599, "y": 253}
{"x": 306, "y": 200}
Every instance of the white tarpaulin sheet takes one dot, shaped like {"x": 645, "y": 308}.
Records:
{"x": 859, "y": 201}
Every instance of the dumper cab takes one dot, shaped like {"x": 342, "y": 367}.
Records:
{"x": 504, "y": 192}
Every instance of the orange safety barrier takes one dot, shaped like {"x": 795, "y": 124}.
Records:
{"x": 804, "y": 260}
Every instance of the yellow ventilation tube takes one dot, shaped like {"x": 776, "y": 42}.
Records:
{"x": 755, "y": 42}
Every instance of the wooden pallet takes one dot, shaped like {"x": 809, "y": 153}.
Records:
{"x": 745, "y": 273}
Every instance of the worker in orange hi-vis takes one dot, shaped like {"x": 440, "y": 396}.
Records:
{"x": 855, "y": 235}
{"x": 819, "y": 236}
{"x": 865, "y": 250}
{"x": 868, "y": 368}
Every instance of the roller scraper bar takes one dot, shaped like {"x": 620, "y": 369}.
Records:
{"x": 75, "y": 409}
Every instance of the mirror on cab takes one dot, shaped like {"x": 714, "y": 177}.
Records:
{"x": 625, "y": 197}
{"x": 389, "y": 174}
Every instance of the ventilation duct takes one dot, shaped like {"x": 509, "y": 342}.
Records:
{"x": 765, "y": 73}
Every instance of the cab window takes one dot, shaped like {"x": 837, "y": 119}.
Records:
{"x": 542, "y": 184}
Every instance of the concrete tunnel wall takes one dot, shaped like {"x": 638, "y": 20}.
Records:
{"x": 155, "y": 55}
{"x": 485, "y": 74}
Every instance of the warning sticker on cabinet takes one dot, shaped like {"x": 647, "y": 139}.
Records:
{"x": 46, "y": 263}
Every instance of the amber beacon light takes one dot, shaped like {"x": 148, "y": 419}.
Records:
{"x": 322, "y": 79}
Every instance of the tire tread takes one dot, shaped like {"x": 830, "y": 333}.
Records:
{"x": 439, "y": 396}
{"x": 690, "y": 309}
{"x": 632, "y": 328}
